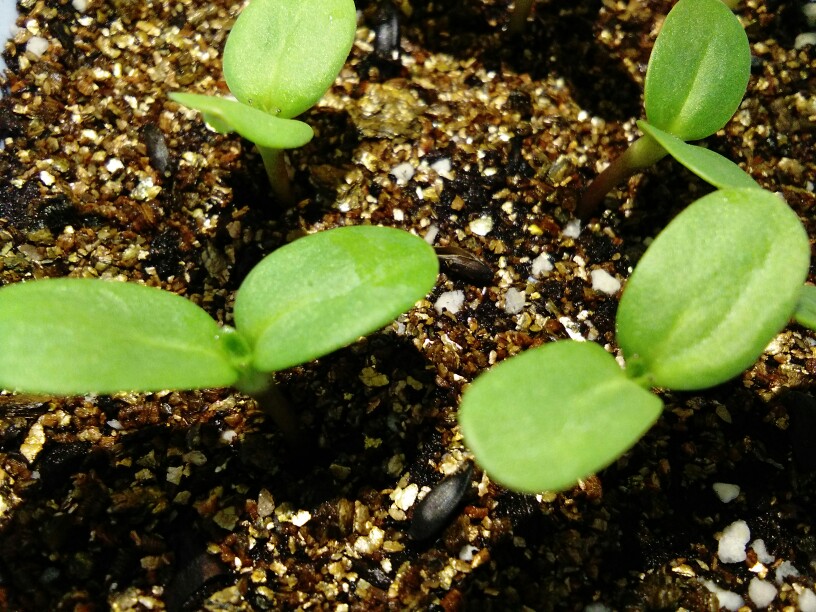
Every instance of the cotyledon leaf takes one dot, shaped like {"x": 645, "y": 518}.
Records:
{"x": 713, "y": 289}
{"x": 72, "y": 336}
{"x": 324, "y": 291}
{"x": 710, "y": 166}
{"x": 698, "y": 70}
{"x": 265, "y": 130}
{"x": 552, "y": 415}
{"x": 282, "y": 55}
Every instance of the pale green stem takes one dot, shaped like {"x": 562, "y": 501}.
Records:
{"x": 273, "y": 403}
{"x": 641, "y": 154}
{"x": 275, "y": 163}
{"x": 262, "y": 388}
{"x": 521, "y": 11}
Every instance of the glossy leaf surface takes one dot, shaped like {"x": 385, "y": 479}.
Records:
{"x": 712, "y": 167}
{"x": 324, "y": 291}
{"x": 73, "y": 336}
{"x": 552, "y": 415}
{"x": 713, "y": 289}
{"x": 282, "y": 55}
{"x": 698, "y": 70}
{"x": 264, "y": 130}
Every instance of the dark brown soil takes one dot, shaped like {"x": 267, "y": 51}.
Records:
{"x": 192, "y": 500}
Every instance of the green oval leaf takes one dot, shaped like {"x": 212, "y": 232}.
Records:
{"x": 713, "y": 289}
{"x": 282, "y": 55}
{"x": 72, "y": 336}
{"x": 698, "y": 70}
{"x": 712, "y": 167}
{"x": 326, "y": 290}
{"x": 806, "y": 307}
{"x": 264, "y": 130}
{"x": 555, "y": 414}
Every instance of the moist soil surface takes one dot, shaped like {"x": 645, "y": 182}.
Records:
{"x": 463, "y": 134}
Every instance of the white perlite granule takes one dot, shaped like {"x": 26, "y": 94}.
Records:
{"x": 733, "y": 540}
{"x": 785, "y": 570}
{"x": 514, "y": 301}
{"x": 604, "y": 282}
{"x": 761, "y": 593}
{"x": 541, "y": 264}
{"x": 726, "y": 599}
{"x": 804, "y": 39}
{"x": 726, "y": 492}
{"x": 763, "y": 556}
{"x": 442, "y": 166}
{"x": 806, "y": 601}
{"x": 481, "y": 226}
{"x": 403, "y": 172}
{"x": 572, "y": 229}
{"x": 451, "y": 301}
{"x": 37, "y": 45}
{"x": 597, "y": 607}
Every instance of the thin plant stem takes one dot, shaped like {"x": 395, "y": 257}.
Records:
{"x": 273, "y": 403}
{"x": 275, "y": 163}
{"x": 261, "y": 387}
{"x": 521, "y": 11}
{"x": 641, "y": 154}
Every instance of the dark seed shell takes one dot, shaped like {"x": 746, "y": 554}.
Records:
{"x": 386, "y": 31}
{"x": 437, "y": 507}
{"x": 464, "y": 264}
{"x": 157, "y": 150}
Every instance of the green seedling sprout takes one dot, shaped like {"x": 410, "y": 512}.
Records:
{"x": 319, "y": 293}
{"x": 706, "y": 298}
{"x": 280, "y": 58}
{"x": 697, "y": 75}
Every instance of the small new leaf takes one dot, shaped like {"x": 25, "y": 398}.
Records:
{"x": 713, "y": 289}
{"x": 555, "y": 414}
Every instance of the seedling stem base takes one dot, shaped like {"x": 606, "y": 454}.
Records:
{"x": 641, "y": 154}
{"x": 275, "y": 163}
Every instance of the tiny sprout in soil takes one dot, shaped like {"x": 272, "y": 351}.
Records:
{"x": 73, "y": 336}
{"x": 697, "y": 75}
{"x": 706, "y": 298}
{"x": 280, "y": 58}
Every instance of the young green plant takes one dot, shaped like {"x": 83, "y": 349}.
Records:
{"x": 280, "y": 58}
{"x": 704, "y": 301}
{"x": 73, "y": 336}
{"x": 697, "y": 75}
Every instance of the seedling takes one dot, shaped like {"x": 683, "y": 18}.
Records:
{"x": 74, "y": 336}
{"x": 280, "y": 58}
{"x": 706, "y": 298}
{"x": 697, "y": 75}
